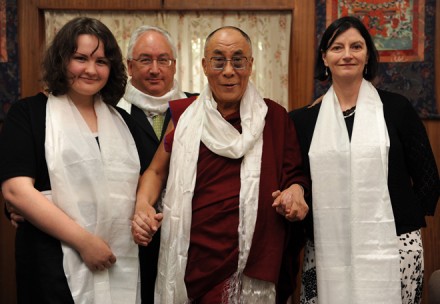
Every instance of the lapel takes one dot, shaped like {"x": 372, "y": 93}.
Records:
{"x": 142, "y": 120}
{"x": 165, "y": 123}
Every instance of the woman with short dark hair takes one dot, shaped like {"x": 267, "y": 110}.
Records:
{"x": 374, "y": 179}
{"x": 69, "y": 163}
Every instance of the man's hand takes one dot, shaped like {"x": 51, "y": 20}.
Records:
{"x": 290, "y": 203}
{"x": 145, "y": 224}
{"x": 14, "y": 215}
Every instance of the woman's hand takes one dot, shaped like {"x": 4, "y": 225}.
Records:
{"x": 145, "y": 224}
{"x": 290, "y": 203}
{"x": 96, "y": 253}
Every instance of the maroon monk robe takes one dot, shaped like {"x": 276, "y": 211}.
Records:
{"x": 213, "y": 248}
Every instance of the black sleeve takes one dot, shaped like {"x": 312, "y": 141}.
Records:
{"x": 18, "y": 143}
{"x": 141, "y": 144}
{"x": 304, "y": 120}
{"x": 419, "y": 158}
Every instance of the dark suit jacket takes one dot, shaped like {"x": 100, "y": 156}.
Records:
{"x": 149, "y": 135}
{"x": 149, "y": 255}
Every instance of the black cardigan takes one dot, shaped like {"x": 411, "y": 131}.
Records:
{"x": 413, "y": 179}
{"x": 23, "y": 136}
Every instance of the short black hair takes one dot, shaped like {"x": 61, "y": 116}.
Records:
{"x": 64, "y": 45}
{"x": 338, "y": 27}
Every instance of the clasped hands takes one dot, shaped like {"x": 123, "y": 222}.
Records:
{"x": 290, "y": 203}
{"x": 145, "y": 224}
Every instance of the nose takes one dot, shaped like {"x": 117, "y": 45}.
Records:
{"x": 154, "y": 67}
{"x": 347, "y": 53}
{"x": 91, "y": 68}
{"x": 228, "y": 70}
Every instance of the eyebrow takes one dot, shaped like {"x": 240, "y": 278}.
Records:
{"x": 85, "y": 55}
{"x": 82, "y": 54}
{"x": 357, "y": 41}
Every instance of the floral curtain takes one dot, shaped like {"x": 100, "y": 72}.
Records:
{"x": 269, "y": 32}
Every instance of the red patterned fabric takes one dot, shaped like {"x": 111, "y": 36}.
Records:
{"x": 213, "y": 250}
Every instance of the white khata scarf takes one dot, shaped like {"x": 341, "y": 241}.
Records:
{"x": 357, "y": 258}
{"x": 202, "y": 122}
{"x": 151, "y": 105}
{"x": 95, "y": 186}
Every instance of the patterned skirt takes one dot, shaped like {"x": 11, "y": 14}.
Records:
{"x": 411, "y": 269}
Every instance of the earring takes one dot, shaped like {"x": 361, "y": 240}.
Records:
{"x": 366, "y": 70}
{"x": 326, "y": 71}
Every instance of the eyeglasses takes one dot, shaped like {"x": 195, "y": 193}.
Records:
{"x": 146, "y": 61}
{"x": 219, "y": 63}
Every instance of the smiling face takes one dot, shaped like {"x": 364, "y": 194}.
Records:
{"x": 88, "y": 68}
{"x": 347, "y": 56}
{"x": 153, "y": 79}
{"x": 227, "y": 85}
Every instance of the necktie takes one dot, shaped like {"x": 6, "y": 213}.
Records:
{"x": 158, "y": 124}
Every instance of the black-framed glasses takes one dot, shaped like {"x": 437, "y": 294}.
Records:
{"x": 147, "y": 61}
{"x": 219, "y": 63}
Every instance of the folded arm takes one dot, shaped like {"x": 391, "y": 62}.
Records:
{"x": 21, "y": 194}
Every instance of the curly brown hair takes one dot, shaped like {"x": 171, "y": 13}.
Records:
{"x": 64, "y": 45}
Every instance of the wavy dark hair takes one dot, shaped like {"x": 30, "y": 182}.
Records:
{"x": 64, "y": 45}
{"x": 335, "y": 29}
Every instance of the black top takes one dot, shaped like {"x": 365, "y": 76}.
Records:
{"x": 22, "y": 141}
{"x": 413, "y": 179}
{"x": 147, "y": 131}
{"x": 39, "y": 271}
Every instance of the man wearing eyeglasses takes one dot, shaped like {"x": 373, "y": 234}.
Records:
{"x": 152, "y": 65}
{"x": 234, "y": 185}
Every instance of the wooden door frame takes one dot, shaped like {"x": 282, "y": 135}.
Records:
{"x": 31, "y": 32}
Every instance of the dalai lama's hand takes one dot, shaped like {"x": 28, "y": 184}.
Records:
{"x": 290, "y": 203}
{"x": 145, "y": 224}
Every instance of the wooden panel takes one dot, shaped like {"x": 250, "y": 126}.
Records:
{"x": 228, "y": 5}
{"x": 30, "y": 41}
{"x": 7, "y": 265}
{"x": 98, "y": 5}
{"x": 302, "y": 50}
